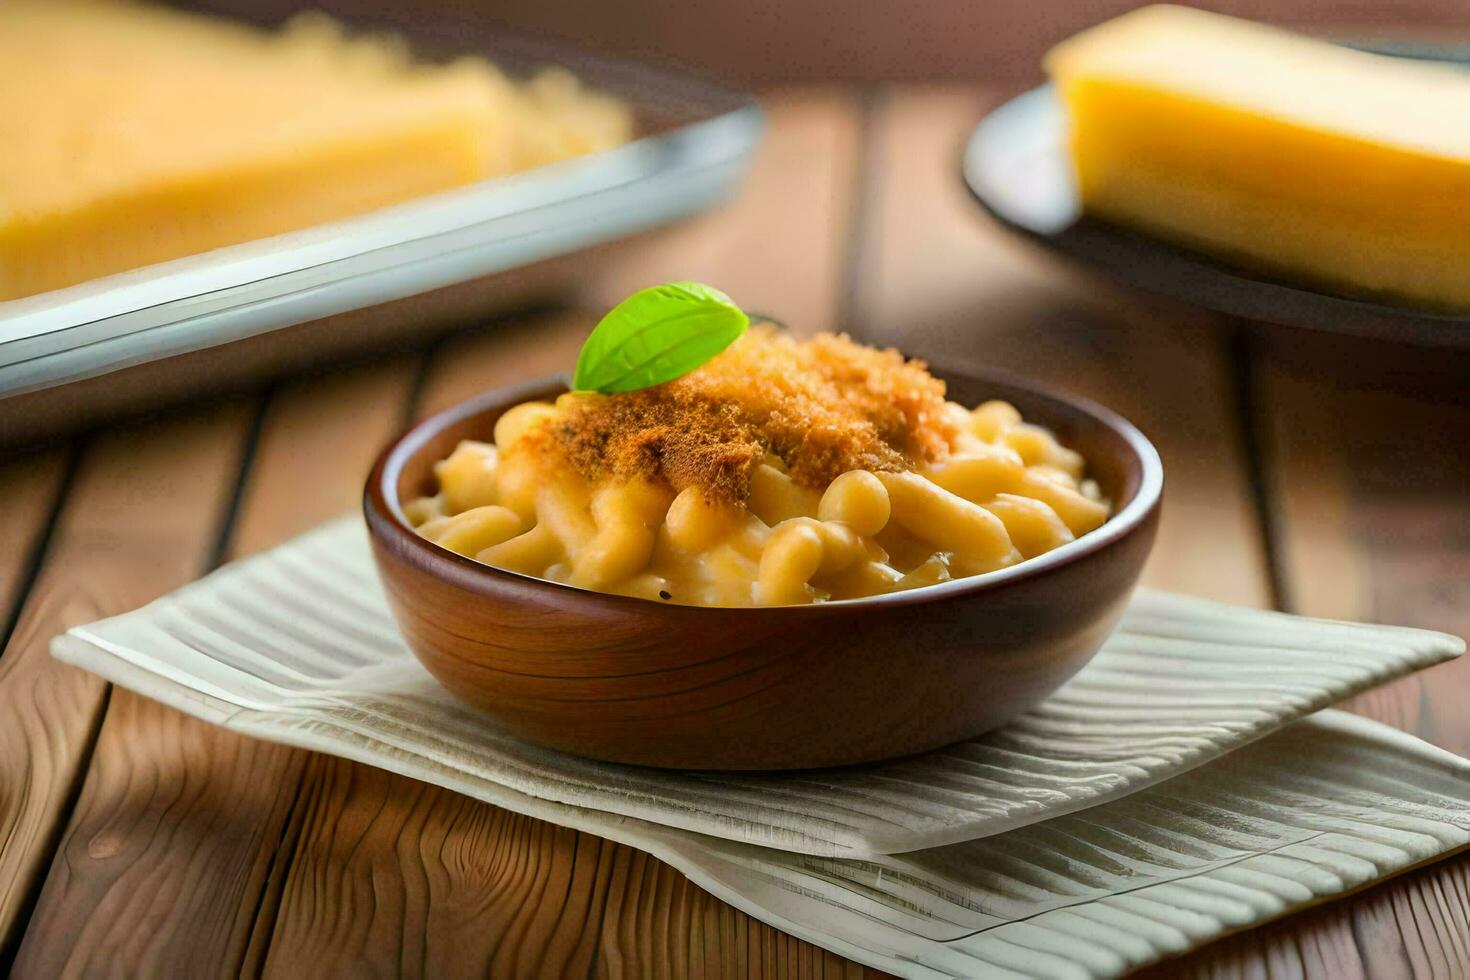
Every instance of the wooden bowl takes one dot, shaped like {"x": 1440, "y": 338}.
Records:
{"x": 787, "y": 687}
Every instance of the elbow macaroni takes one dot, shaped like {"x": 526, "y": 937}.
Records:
{"x": 1008, "y": 491}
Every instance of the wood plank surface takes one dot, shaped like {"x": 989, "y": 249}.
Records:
{"x": 395, "y": 877}
{"x": 1371, "y": 491}
{"x": 939, "y": 280}
{"x": 169, "y": 847}
{"x": 139, "y": 520}
{"x": 318, "y": 440}
{"x": 166, "y": 863}
{"x": 782, "y": 248}
{"x": 29, "y": 486}
{"x": 503, "y": 353}
{"x": 1374, "y": 524}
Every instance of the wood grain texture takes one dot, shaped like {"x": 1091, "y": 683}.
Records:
{"x": 139, "y": 520}
{"x": 392, "y": 876}
{"x": 452, "y": 882}
{"x": 782, "y": 247}
{"x": 503, "y": 353}
{"x": 167, "y": 860}
{"x": 940, "y": 281}
{"x": 1373, "y": 523}
{"x": 318, "y": 440}
{"x": 29, "y": 485}
{"x": 176, "y": 822}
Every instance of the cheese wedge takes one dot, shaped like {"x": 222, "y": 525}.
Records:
{"x": 1335, "y": 168}
{"x": 131, "y": 134}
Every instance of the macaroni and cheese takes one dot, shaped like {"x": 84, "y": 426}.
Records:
{"x": 134, "y": 133}
{"x": 781, "y": 472}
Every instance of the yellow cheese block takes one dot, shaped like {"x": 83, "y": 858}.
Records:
{"x": 132, "y": 134}
{"x": 1333, "y": 167}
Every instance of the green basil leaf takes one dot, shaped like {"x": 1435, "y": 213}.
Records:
{"x": 656, "y": 335}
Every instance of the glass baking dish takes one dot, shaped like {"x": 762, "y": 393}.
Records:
{"x": 466, "y": 252}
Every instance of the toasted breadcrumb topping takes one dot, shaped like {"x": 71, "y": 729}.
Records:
{"x": 823, "y": 406}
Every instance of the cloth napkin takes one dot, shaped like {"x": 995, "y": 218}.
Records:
{"x": 1175, "y": 790}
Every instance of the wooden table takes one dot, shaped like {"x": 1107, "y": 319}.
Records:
{"x": 135, "y": 840}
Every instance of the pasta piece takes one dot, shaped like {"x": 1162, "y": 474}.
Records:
{"x": 934, "y": 570}
{"x": 563, "y": 508}
{"x": 959, "y": 416}
{"x": 421, "y": 510}
{"x": 992, "y": 418}
{"x": 1055, "y": 475}
{"x": 791, "y": 559}
{"x": 751, "y": 537}
{"x": 726, "y": 578}
{"x": 531, "y": 553}
{"x": 977, "y": 478}
{"x": 468, "y": 478}
{"x": 695, "y": 522}
{"x": 625, "y": 515}
{"x": 1033, "y": 443}
{"x": 569, "y": 400}
{"x": 905, "y": 550}
{"x": 518, "y": 478}
{"x": 927, "y": 510}
{"x": 775, "y": 497}
{"x": 1033, "y": 526}
{"x": 648, "y": 586}
{"x": 472, "y": 531}
{"x": 1080, "y": 513}
{"x": 864, "y": 579}
{"x": 841, "y": 545}
{"x": 858, "y": 499}
{"x": 517, "y": 421}
{"x": 1069, "y": 461}
{"x": 980, "y": 478}
{"x": 1038, "y": 447}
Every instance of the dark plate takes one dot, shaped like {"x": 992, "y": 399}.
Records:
{"x": 1016, "y": 165}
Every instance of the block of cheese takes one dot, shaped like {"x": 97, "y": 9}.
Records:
{"x": 1322, "y": 165}
{"x": 131, "y": 134}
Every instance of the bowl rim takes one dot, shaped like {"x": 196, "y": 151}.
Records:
{"x": 385, "y": 518}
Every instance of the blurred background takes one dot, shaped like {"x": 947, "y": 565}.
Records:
{"x": 750, "y": 41}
